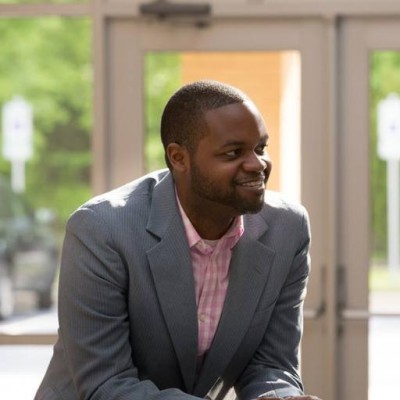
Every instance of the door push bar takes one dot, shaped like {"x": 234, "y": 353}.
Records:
{"x": 345, "y": 314}
{"x": 363, "y": 315}
{"x": 349, "y": 314}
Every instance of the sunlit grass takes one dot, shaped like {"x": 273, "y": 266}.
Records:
{"x": 383, "y": 279}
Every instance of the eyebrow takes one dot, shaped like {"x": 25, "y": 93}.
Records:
{"x": 233, "y": 143}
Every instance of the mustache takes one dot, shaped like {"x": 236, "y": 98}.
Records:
{"x": 252, "y": 178}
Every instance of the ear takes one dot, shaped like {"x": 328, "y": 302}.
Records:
{"x": 178, "y": 157}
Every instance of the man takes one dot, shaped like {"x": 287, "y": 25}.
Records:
{"x": 188, "y": 282}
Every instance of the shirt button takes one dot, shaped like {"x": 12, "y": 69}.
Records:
{"x": 202, "y": 317}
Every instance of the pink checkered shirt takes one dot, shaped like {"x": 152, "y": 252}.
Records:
{"x": 210, "y": 261}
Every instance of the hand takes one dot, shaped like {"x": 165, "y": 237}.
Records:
{"x": 290, "y": 398}
{"x": 302, "y": 398}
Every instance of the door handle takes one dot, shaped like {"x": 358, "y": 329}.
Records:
{"x": 314, "y": 313}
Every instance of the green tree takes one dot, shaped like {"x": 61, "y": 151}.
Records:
{"x": 48, "y": 62}
{"x": 162, "y": 79}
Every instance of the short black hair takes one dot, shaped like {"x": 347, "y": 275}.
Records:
{"x": 183, "y": 121}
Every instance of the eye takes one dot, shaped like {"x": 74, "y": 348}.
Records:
{"x": 233, "y": 153}
{"x": 260, "y": 150}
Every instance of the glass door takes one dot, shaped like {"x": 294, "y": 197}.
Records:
{"x": 384, "y": 273}
{"x": 274, "y": 61}
{"x": 270, "y": 78}
{"x": 369, "y": 208}
{"x": 45, "y": 160}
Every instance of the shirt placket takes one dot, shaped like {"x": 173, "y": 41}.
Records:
{"x": 210, "y": 305}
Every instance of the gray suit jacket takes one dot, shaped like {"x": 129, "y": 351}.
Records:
{"x": 127, "y": 310}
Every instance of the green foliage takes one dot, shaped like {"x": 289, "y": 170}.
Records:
{"x": 48, "y": 62}
{"x": 162, "y": 79}
{"x": 384, "y": 79}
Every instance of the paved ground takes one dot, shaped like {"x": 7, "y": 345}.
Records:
{"x": 384, "y": 356}
{"x": 21, "y": 369}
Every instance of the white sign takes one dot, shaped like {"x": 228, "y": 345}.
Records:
{"x": 17, "y": 130}
{"x": 389, "y": 128}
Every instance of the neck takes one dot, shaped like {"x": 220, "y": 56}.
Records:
{"x": 210, "y": 222}
{"x": 209, "y": 228}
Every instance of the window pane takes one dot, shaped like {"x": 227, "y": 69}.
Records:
{"x": 50, "y": 72}
{"x": 271, "y": 79}
{"x": 384, "y": 266}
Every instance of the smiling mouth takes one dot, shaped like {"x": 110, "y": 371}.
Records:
{"x": 252, "y": 184}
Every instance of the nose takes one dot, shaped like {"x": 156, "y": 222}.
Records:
{"x": 256, "y": 163}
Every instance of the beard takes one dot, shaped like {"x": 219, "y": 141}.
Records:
{"x": 209, "y": 189}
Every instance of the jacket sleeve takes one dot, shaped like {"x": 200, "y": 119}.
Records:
{"x": 274, "y": 369}
{"x": 93, "y": 316}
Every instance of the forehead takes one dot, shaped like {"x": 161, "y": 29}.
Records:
{"x": 238, "y": 121}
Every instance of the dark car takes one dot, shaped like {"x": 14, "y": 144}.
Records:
{"x": 28, "y": 252}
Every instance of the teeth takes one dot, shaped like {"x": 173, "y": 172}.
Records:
{"x": 252, "y": 184}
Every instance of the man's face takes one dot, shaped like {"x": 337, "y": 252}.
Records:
{"x": 230, "y": 166}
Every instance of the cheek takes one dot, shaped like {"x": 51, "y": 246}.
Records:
{"x": 217, "y": 171}
{"x": 227, "y": 173}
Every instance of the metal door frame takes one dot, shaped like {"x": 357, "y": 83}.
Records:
{"x": 329, "y": 89}
{"x": 120, "y": 121}
{"x": 359, "y": 37}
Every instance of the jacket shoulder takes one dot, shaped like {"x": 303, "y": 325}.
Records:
{"x": 283, "y": 204}
{"x": 127, "y": 193}
{"x": 132, "y": 200}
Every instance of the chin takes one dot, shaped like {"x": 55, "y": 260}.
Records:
{"x": 251, "y": 208}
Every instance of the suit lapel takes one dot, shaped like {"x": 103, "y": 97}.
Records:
{"x": 249, "y": 269}
{"x": 171, "y": 267}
